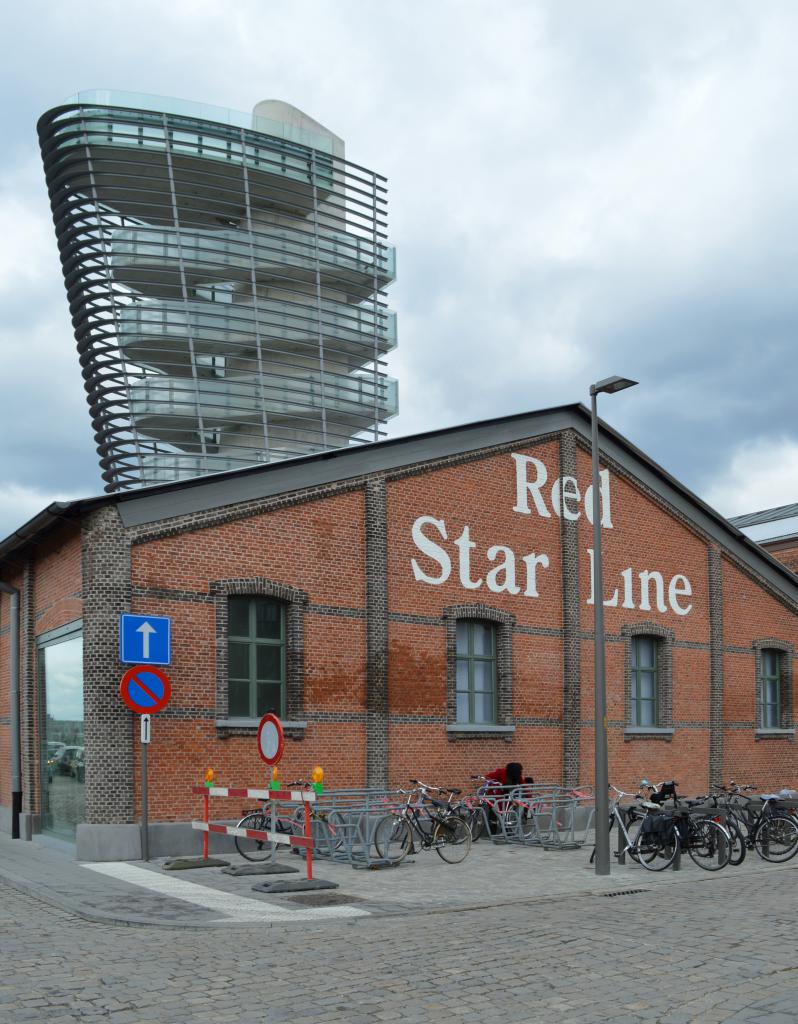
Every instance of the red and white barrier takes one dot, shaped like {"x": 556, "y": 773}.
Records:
{"x": 296, "y": 796}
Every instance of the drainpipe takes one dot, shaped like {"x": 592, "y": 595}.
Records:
{"x": 16, "y": 761}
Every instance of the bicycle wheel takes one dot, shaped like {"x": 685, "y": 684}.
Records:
{"x": 254, "y": 849}
{"x": 709, "y": 844}
{"x": 476, "y": 824}
{"x": 452, "y": 840}
{"x": 653, "y": 850}
{"x": 392, "y": 838}
{"x": 738, "y": 843}
{"x": 776, "y": 839}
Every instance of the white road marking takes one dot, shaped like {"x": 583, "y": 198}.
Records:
{"x": 227, "y": 905}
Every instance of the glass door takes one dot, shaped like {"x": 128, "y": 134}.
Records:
{"x": 62, "y": 759}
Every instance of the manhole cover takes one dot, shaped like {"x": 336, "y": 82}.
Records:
{"x": 323, "y": 899}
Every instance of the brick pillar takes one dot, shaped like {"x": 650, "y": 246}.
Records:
{"x": 29, "y": 696}
{"x": 376, "y": 633}
{"x": 108, "y": 723}
{"x": 715, "y": 576}
{"x": 572, "y": 644}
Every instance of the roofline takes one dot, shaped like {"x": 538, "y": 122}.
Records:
{"x": 614, "y": 445}
{"x": 768, "y": 515}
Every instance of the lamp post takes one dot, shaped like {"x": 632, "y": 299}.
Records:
{"x": 609, "y": 387}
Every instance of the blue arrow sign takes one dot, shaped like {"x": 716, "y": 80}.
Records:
{"x": 145, "y": 639}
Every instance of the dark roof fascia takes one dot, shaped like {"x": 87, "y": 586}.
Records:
{"x": 43, "y": 522}
{"x": 200, "y": 494}
{"x": 786, "y": 540}
{"x": 768, "y": 515}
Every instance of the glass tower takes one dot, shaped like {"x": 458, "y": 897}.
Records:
{"x": 225, "y": 275}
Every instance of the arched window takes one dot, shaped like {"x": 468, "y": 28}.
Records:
{"x": 648, "y": 671}
{"x": 260, "y": 660}
{"x": 476, "y": 672}
{"x": 256, "y": 655}
{"x": 479, "y": 671}
{"x": 645, "y": 695}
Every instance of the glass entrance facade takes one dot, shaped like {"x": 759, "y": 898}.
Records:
{"x": 62, "y": 755}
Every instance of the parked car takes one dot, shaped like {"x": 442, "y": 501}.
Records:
{"x": 54, "y": 752}
{"x": 65, "y": 760}
{"x": 77, "y": 768}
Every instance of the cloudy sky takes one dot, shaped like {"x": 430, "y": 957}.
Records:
{"x": 578, "y": 188}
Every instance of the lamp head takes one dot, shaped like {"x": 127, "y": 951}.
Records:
{"x": 610, "y": 385}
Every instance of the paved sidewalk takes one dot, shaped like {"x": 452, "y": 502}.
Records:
{"x": 492, "y": 876}
{"x": 708, "y": 951}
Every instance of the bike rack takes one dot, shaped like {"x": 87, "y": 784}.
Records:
{"x": 344, "y": 822}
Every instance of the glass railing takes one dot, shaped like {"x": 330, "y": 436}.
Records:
{"x": 227, "y": 324}
{"x": 269, "y": 246}
{"x": 108, "y": 126}
{"x": 200, "y": 112}
{"x": 231, "y": 401}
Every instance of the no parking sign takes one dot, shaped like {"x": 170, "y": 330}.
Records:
{"x": 270, "y": 739}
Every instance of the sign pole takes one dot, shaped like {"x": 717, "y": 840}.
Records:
{"x": 145, "y": 822}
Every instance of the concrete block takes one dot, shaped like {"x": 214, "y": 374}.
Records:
{"x": 108, "y": 842}
{"x": 268, "y": 868}
{"x": 179, "y": 839}
{"x": 187, "y": 863}
{"x": 294, "y": 885}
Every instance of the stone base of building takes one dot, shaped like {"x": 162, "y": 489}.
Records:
{"x": 166, "y": 839}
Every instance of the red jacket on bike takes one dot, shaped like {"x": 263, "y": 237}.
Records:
{"x": 500, "y": 776}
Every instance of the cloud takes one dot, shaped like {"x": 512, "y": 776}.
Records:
{"x": 761, "y": 474}
{"x": 19, "y": 504}
{"x": 570, "y": 197}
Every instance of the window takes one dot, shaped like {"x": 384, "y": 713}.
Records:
{"x": 256, "y": 657}
{"x": 645, "y": 682}
{"x": 770, "y": 672}
{"x": 476, "y": 672}
{"x": 60, "y": 662}
{"x": 212, "y": 366}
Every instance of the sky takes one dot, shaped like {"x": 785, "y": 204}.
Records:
{"x": 577, "y": 189}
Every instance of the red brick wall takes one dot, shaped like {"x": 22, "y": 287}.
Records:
{"x": 14, "y": 580}
{"x": 320, "y": 547}
{"x": 317, "y": 547}
{"x": 785, "y": 552}
{"x": 749, "y": 614}
{"x": 56, "y": 601}
{"x": 57, "y": 582}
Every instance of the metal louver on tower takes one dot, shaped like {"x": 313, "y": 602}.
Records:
{"x": 225, "y": 276}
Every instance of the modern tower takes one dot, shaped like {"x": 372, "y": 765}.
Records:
{"x": 225, "y": 275}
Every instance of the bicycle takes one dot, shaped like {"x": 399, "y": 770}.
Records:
{"x": 258, "y": 850}
{"x": 768, "y": 829}
{"x": 441, "y": 830}
{"x": 653, "y": 847}
{"x": 704, "y": 837}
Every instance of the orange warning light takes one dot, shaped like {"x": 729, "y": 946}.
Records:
{"x": 209, "y": 777}
{"x": 318, "y": 774}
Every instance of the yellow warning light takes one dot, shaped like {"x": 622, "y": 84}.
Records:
{"x": 318, "y": 774}
{"x": 209, "y": 775}
{"x": 274, "y": 773}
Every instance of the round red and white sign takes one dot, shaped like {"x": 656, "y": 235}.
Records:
{"x": 270, "y": 739}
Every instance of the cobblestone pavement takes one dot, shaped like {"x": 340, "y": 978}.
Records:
{"x": 713, "y": 950}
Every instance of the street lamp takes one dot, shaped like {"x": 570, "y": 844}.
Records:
{"x": 609, "y": 387}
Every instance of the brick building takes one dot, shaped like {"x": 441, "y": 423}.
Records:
{"x": 419, "y": 606}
